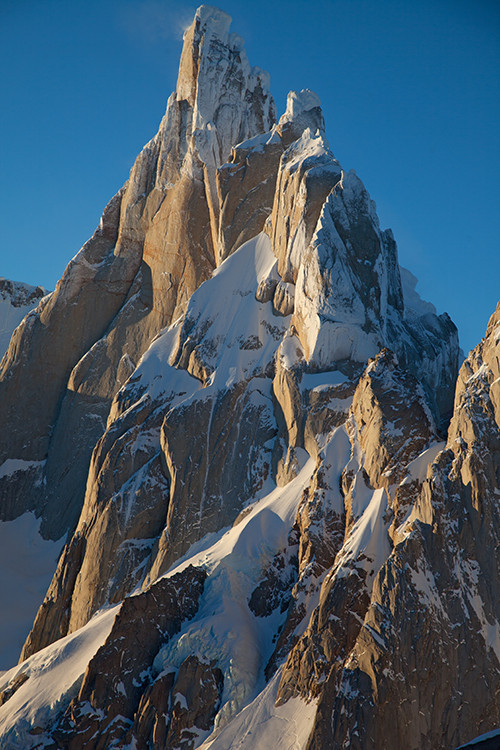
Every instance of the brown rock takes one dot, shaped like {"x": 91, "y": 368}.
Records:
{"x": 12, "y": 687}
{"x": 284, "y": 298}
{"x": 307, "y": 173}
{"x": 196, "y": 698}
{"x": 151, "y": 720}
{"x": 393, "y": 426}
{"x": 406, "y": 673}
{"x": 52, "y": 618}
{"x": 209, "y": 482}
{"x": 265, "y": 290}
{"x": 165, "y": 215}
{"x": 245, "y": 188}
{"x": 86, "y": 299}
{"x": 383, "y": 577}
{"x": 120, "y": 672}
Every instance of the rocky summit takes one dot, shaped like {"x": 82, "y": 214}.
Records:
{"x": 267, "y": 501}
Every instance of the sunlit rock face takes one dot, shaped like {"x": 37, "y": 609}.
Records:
{"x": 156, "y": 243}
{"x": 433, "y": 600}
{"x": 247, "y": 433}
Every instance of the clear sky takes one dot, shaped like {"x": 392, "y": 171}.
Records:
{"x": 410, "y": 92}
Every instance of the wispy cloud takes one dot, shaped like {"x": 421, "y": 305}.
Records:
{"x": 152, "y": 21}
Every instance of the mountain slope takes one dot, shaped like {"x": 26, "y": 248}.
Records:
{"x": 155, "y": 244}
{"x": 269, "y": 512}
{"x": 16, "y": 300}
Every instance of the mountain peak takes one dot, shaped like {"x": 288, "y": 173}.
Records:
{"x": 242, "y": 430}
{"x": 301, "y": 101}
{"x": 227, "y": 95}
{"x": 303, "y": 110}
{"x": 215, "y": 18}
{"x": 208, "y": 24}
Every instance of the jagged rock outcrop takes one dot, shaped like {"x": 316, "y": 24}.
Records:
{"x": 307, "y": 173}
{"x": 120, "y": 673}
{"x": 157, "y": 241}
{"x": 262, "y": 426}
{"x": 399, "y": 680}
{"x": 246, "y": 186}
{"x": 182, "y": 430}
{"x": 17, "y": 475}
{"x": 50, "y": 341}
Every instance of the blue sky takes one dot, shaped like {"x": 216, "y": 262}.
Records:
{"x": 410, "y": 92}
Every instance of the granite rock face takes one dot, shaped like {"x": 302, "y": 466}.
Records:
{"x": 120, "y": 674}
{"x": 395, "y": 658}
{"x": 254, "y": 456}
{"x": 156, "y": 243}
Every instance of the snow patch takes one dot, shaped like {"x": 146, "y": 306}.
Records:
{"x": 235, "y": 336}
{"x": 312, "y": 152}
{"x": 16, "y": 301}
{"x": 367, "y": 543}
{"x": 490, "y": 631}
{"x": 11, "y": 465}
{"x": 258, "y": 142}
{"x": 300, "y": 101}
{"x": 155, "y": 376}
{"x": 54, "y": 676}
{"x": 224, "y": 627}
{"x": 417, "y": 469}
{"x": 263, "y": 725}
{"x": 321, "y": 381}
{"x": 423, "y": 579}
{"x": 27, "y": 564}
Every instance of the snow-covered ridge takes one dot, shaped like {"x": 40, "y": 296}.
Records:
{"x": 298, "y": 102}
{"x": 224, "y": 627}
{"x": 53, "y": 679}
{"x": 263, "y": 724}
{"x": 20, "y": 294}
{"x": 16, "y": 301}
